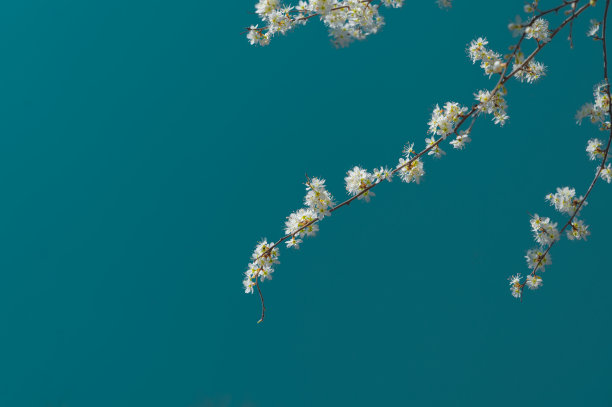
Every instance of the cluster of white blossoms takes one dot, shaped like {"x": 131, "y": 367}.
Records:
{"x": 346, "y": 20}
{"x": 565, "y": 201}
{"x": 495, "y": 104}
{"x": 263, "y": 259}
{"x": 516, "y": 287}
{"x": 303, "y": 222}
{"x": 538, "y": 30}
{"x": 599, "y": 114}
{"x": 358, "y": 180}
{"x": 546, "y": 234}
{"x": 491, "y": 61}
{"x": 529, "y": 73}
{"x": 443, "y": 121}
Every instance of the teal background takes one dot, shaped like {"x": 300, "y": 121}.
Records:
{"x": 146, "y": 147}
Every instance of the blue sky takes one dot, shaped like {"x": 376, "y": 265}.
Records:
{"x": 147, "y": 147}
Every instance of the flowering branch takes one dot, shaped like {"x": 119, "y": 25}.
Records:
{"x": 444, "y": 122}
{"x": 564, "y": 199}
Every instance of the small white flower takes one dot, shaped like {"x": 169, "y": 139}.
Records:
{"x": 381, "y": 174}
{"x": 443, "y": 121}
{"x": 358, "y": 180}
{"x": 495, "y": 105}
{"x": 564, "y": 200}
{"x": 545, "y": 232}
{"x": 594, "y": 29}
{"x": 436, "y": 150}
{"x": 255, "y": 36}
{"x": 531, "y": 72}
{"x": 534, "y": 282}
{"x": 461, "y": 140}
{"x": 294, "y": 242}
{"x": 410, "y": 172}
{"x": 248, "y": 285}
{"x": 302, "y": 222}
{"x": 595, "y": 149}
{"x": 578, "y": 230}
{"x": 393, "y": 3}
{"x": 606, "y": 173}
{"x": 516, "y": 288}
{"x": 318, "y": 198}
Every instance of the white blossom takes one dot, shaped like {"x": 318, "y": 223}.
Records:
{"x": 545, "y": 231}
{"x": 577, "y": 230}
{"x": 393, "y": 3}
{"x": 318, "y": 198}
{"x": 263, "y": 259}
{"x": 410, "y": 172}
{"x": 491, "y": 61}
{"x": 265, "y": 7}
{"x": 530, "y": 72}
{"x": 533, "y": 282}
{"x": 257, "y": 37}
{"x": 443, "y": 121}
{"x": 606, "y": 173}
{"x": 436, "y": 150}
{"x": 595, "y": 149}
{"x": 599, "y": 111}
{"x": 294, "y": 242}
{"x": 563, "y": 199}
{"x": 383, "y": 173}
{"x": 495, "y": 105}
{"x": 302, "y": 218}
{"x": 537, "y": 255}
{"x": 358, "y": 180}
{"x": 538, "y": 30}
{"x": 516, "y": 288}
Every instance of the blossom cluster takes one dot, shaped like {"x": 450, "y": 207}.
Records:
{"x": 494, "y": 104}
{"x": 490, "y": 60}
{"x": 443, "y": 121}
{"x": 538, "y": 30}
{"x": 564, "y": 200}
{"x": 303, "y": 222}
{"x": 599, "y": 114}
{"x": 546, "y": 234}
{"x": 530, "y": 72}
{"x": 263, "y": 259}
{"x": 359, "y": 181}
{"x": 346, "y": 20}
